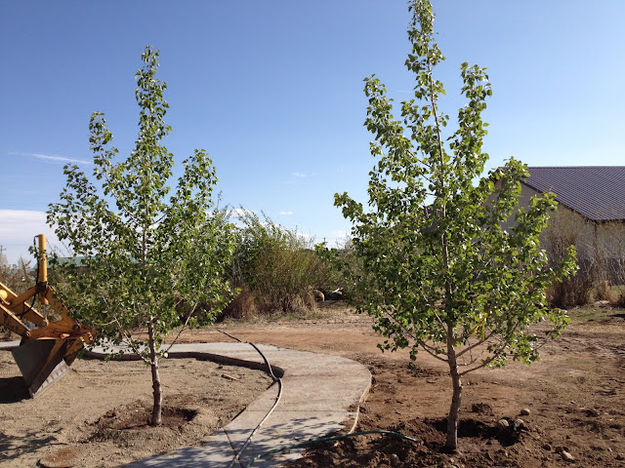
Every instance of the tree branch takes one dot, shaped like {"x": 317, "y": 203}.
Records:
{"x": 434, "y": 355}
{"x": 483, "y": 364}
{"x": 130, "y": 341}
{"x": 475, "y": 345}
{"x": 184, "y": 326}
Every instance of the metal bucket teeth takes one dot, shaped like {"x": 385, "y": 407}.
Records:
{"x": 40, "y": 369}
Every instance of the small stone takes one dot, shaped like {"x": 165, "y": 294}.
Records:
{"x": 620, "y": 457}
{"x": 519, "y": 424}
{"x": 566, "y": 456}
{"x": 525, "y": 412}
{"x": 547, "y": 447}
{"x": 592, "y": 413}
{"x": 395, "y": 459}
{"x": 503, "y": 423}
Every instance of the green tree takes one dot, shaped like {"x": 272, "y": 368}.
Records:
{"x": 149, "y": 255}
{"x": 444, "y": 275}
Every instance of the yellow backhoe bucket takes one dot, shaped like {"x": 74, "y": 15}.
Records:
{"x": 41, "y": 363}
{"x": 46, "y": 350}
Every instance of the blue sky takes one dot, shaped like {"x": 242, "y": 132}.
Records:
{"x": 273, "y": 91}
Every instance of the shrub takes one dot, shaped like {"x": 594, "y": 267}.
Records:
{"x": 275, "y": 268}
{"x": 345, "y": 270}
{"x": 619, "y": 301}
{"x": 576, "y": 290}
{"x": 565, "y": 229}
{"x": 18, "y": 277}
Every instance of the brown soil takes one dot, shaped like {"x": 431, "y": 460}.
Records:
{"x": 98, "y": 413}
{"x": 575, "y": 394}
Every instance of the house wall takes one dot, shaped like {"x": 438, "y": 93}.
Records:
{"x": 601, "y": 244}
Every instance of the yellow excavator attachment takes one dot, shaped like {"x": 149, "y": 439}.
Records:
{"x": 47, "y": 348}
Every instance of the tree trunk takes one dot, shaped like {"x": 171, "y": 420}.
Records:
{"x": 451, "y": 444}
{"x": 156, "y": 381}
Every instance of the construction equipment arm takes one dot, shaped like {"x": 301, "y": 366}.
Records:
{"x": 44, "y": 347}
{"x": 14, "y": 309}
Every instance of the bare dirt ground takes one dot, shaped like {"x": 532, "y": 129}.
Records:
{"x": 97, "y": 414}
{"x": 575, "y": 395}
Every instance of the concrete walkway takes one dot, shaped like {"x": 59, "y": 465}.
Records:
{"x": 320, "y": 395}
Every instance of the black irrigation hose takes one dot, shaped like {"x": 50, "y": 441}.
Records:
{"x": 229, "y": 335}
{"x": 273, "y": 376}
{"x": 286, "y": 448}
{"x": 237, "y": 456}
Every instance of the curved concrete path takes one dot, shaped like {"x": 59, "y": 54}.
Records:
{"x": 320, "y": 395}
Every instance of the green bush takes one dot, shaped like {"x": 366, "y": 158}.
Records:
{"x": 275, "y": 268}
{"x": 19, "y": 277}
{"x": 345, "y": 271}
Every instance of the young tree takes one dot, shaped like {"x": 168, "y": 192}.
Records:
{"x": 444, "y": 275}
{"x": 148, "y": 257}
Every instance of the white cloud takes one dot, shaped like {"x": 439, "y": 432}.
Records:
{"x": 341, "y": 234}
{"x": 17, "y": 229}
{"x": 303, "y": 175}
{"x": 239, "y": 212}
{"x": 286, "y": 213}
{"x": 54, "y": 157}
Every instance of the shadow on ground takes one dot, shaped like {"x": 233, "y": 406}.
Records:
{"x": 12, "y": 390}
{"x": 12, "y": 447}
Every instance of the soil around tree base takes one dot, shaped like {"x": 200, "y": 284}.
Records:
{"x": 98, "y": 414}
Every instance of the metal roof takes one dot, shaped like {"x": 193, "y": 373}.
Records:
{"x": 596, "y": 192}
